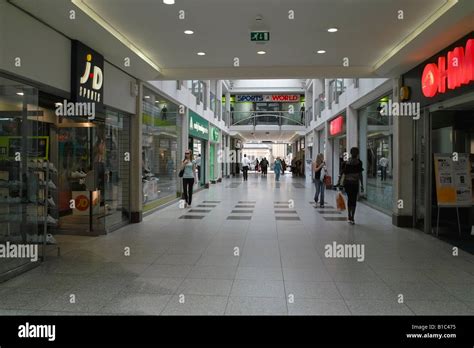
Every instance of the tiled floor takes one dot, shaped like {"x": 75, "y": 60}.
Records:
{"x": 260, "y": 265}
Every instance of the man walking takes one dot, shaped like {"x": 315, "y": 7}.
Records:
{"x": 245, "y": 167}
{"x": 383, "y": 163}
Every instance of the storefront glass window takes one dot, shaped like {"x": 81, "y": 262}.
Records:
{"x": 117, "y": 169}
{"x": 376, "y": 137}
{"x": 160, "y": 137}
{"x": 23, "y": 180}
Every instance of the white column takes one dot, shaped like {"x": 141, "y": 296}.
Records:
{"x": 328, "y": 152}
{"x": 403, "y": 185}
{"x": 351, "y": 128}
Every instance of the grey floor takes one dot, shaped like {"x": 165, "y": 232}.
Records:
{"x": 255, "y": 247}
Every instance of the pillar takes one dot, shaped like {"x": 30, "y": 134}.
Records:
{"x": 136, "y": 199}
{"x": 403, "y": 185}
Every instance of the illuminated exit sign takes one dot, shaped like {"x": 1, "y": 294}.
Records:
{"x": 260, "y": 36}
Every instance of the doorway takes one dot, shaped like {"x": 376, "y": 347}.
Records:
{"x": 81, "y": 157}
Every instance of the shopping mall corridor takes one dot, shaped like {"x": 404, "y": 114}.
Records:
{"x": 249, "y": 248}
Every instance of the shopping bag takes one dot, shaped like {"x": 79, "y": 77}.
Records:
{"x": 340, "y": 203}
{"x": 327, "y": 180}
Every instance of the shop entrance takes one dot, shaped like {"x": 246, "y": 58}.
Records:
{"x": 444, "y": 133}
{"x": 81, "y": 156}
{"x": 199, "y": 148}
{"x": 212, "y": 167}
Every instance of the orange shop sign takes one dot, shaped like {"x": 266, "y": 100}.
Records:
{"x": 451, "y": 71}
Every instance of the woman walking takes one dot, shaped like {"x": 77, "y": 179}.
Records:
{"x": 318, "y": 168}
{"x": 352, "y": 172}
{"x": 188, "y": 167}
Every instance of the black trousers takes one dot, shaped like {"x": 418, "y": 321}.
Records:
{"x": 199, "y": 173}
{"x": 245, "y": 169}
{"x": 352, "y": 191}
{"x": 188, "y": 184}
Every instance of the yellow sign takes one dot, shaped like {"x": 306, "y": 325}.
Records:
{"x": 453, "y": 179}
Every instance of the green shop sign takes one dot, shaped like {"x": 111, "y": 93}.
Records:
{"x": 198, "y": 126}
{"x": 215, "y": 134}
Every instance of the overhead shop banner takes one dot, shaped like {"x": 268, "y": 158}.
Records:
{"x": 277, "y": 98}
{"x": 87, "y": 75}
{"x": 215, "y": 134}
{"x": 198, "y": 126}
{"x": 453, "y": 179}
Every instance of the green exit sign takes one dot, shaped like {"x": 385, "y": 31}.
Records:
{"x": 260, "y": 36}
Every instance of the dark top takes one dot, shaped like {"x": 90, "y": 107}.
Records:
{"x": 317, "y": 173}
{"x": 352, "y": 170}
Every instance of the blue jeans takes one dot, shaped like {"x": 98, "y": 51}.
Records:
{"x": 319, "y": 191}
{"x": 277, "y": 174}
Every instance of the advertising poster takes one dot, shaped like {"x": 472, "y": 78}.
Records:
{"x": 453, "y": 180}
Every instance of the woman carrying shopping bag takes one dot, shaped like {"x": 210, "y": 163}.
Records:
{"x": 350, "y": 177}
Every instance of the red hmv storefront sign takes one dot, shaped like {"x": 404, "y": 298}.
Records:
{"x": 450, "y": 72}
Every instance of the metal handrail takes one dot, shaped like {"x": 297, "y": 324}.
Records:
{"x": 254, "y": 115}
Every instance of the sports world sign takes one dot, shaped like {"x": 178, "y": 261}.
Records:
{"x": 276, "y": 98}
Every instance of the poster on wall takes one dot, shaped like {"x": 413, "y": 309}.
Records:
{"x": 453, "y": 179}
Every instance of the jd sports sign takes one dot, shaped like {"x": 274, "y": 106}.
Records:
{"x": 87, "y": 80}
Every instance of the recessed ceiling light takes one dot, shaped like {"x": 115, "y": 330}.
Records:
{"x": 168, "y": 2}
{"x": 262, "y": 52}
{"x": 147, "y": 97}
{"x": 332, "y": 30}
{"x": 189, "y": 32}
{"x": 157, "y": 101}
{"x": 321, "y": 51}
{"x": 20, "y": 93}
{"x": 201, "y": 53}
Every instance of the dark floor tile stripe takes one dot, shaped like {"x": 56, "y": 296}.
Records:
{"x": 199, "y": 210}
{"x": 247, "y": 201}
{"x": 241, "y": 212}
{"x": 329, "y": 212}
{"x": 330, "y": 218}
{"x": 192, "y": 217}
{"x": 285, "y": 212}
{"x": 244, "y": 206}
{"x": 211, "y": 201}
{"x": 287, "y": 218}
{"x": 239, "y": 218}
{"x": 206, "y": 206}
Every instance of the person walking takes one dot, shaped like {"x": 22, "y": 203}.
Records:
{"x": 318, "y": 169}
{"x": 264, "y": 166}
{"x": 198, "y": 165}
{"x": 189, "y": 167}
{"x": 383, "y": 163}
{"x": 256, "y": 165}
{"x": 245, "y": 167}
{"x": 277, "y": 169}
{"x": 283, "y": 167}
{"x": 352, "y": 175}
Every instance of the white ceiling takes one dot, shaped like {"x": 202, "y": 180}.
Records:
{"x": 370, "y": 35}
